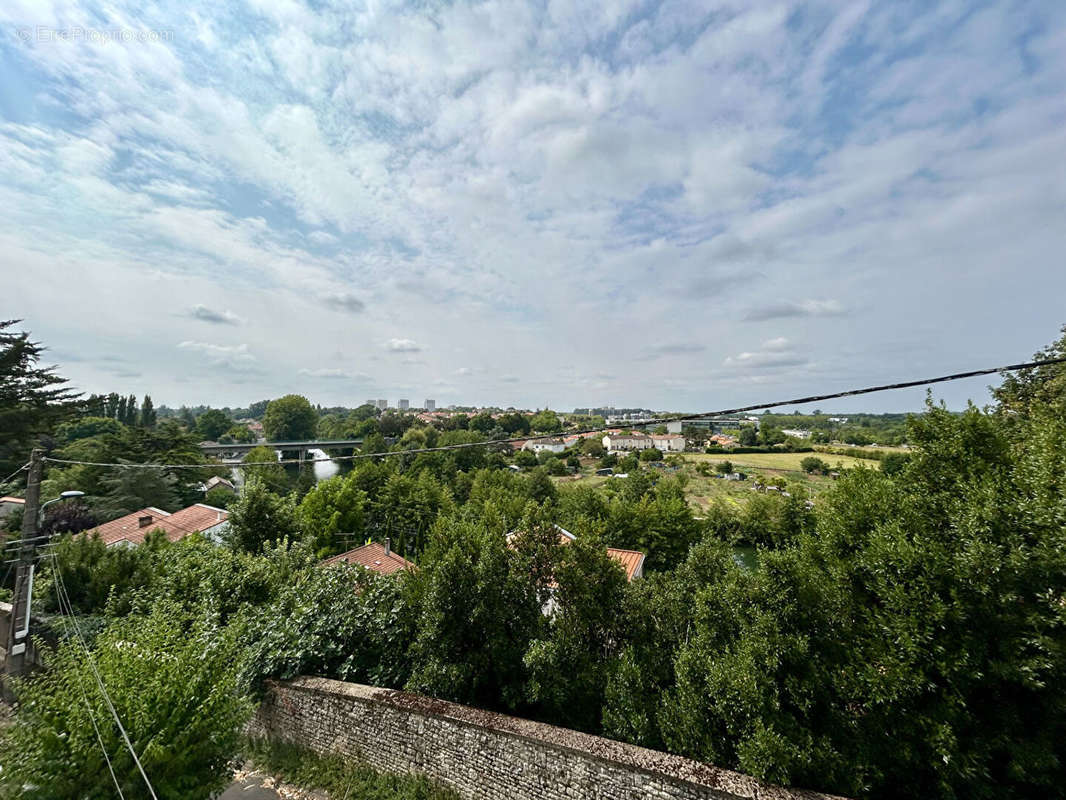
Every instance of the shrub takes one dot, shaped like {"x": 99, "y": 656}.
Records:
{"x": 173, "y": 682}
{"x": 812, "y": 464}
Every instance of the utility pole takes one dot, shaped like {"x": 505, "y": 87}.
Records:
{"x": 18, "y": 637}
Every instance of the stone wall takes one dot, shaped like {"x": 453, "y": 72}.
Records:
{"x": 482, "y": 754}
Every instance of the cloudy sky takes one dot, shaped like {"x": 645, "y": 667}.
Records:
{"x": 681, "y": 205}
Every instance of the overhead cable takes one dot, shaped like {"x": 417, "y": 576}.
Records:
{"x": 641, "y": 423}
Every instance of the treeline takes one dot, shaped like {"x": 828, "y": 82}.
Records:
{"x": 860, "y": 429}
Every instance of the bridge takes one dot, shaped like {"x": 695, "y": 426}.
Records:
{"x": 241, "y": 449}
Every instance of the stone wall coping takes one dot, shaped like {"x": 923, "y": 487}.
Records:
{"x": 652, "y": 762}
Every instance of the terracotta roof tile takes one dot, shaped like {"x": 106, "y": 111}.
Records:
{"x": 198, "y": 517}
{"x": 632, "y": 561}
{"x": 373, "y": 557}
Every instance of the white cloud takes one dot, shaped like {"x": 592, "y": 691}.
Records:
{"x": 205, "y": 314}
{"x": 235, "y": 357}
{"x": 792, "y": 308}
{"x": 513, "y": 182}
{"x": 333, "y": 374}
{"x": 776, "y": 353}
{"x": 402, "y": 346}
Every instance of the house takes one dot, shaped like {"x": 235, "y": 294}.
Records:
{"x": 133, "y": 528}
{"x": 796, "y": 433}
{"x": 375, "y": 557}
{"x": 669, "y": 442}
{"x": 540, "y": 445}
{"x": 627, "y": 441}
{"x": 216, "y": 482}
{"x": 9, "y": 505}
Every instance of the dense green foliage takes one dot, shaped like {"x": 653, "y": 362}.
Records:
{"x": 289, "y": 419}
{"x": 182, "y": 713}
{"x": 33, "y": 399}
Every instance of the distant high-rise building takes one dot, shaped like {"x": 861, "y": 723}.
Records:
{"x": 369, "y": 402}
{"x": 431, "y": 405}
{"x": 403, "y": 405}
{"x": 382, "y": 404}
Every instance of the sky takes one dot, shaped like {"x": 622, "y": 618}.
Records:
{"x": 677, "y": 205}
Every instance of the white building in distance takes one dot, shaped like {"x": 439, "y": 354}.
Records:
{"x": 629, "y": 441}
{"x": 431, "y": 405}
{"x": 382, "y": 404}
{"x": 403, "y": 404}
{"x": 539, "y": 445}
{"x": 669, "y": 442}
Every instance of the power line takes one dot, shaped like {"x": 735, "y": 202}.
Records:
{"x": 642, "y": 423}
{"x": 16, "y": 472}
{"x": 100, "y": 682}
{"x": 68, "y": 608}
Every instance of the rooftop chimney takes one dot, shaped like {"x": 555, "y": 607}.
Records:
{"x": 388, "y": 545}
{"x": 145, "y": 521}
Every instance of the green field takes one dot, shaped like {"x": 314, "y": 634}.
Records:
{"x": 788, "y": 462}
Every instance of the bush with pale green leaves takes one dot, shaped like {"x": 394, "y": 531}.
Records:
{"x": 172, "y": 680}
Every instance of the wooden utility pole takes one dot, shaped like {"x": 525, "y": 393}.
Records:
{"x": 18, "y": 638}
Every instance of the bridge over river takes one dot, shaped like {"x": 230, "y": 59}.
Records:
{"x": 239, "y": 450}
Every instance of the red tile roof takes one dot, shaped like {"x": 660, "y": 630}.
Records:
{"x": 373, "y": 557}
{"x": 132, "y": 528}
{"x": 632, "y": 561}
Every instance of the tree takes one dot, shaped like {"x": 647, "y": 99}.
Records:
{"x": 289, "y": 419}
{"x": 212, "y": 424}
{"x": 894, "y": 463}
{"x": 257, "y": 409}
{"x": 269, "y": 471}
{"x": 111, "y": 406}
{"x": 148, "y": 415}
{"x": 474, "y": 656}
{"x": 749, "y": 436}
{"x": 120, "y": 410}
{"x": 651, "y": 454}
{"x": 525, "y": 458}
{"x": 132, "y": 412}
{"x": 183, "y": 712}
{"x": 586, "y": 629}
{"x": 87, "y": 428}
{"x": 1024, "y": 390}
{"x": 812, "y": 464}
{"x": 219, "y": 497}
{"x": 482, "y": 423}
{"x": 545, "y": 421}
{"x": 130, "y": 489}
{"x": 770, "y": 435}
{"x": 724, "y": 467}
{"x": 69, "y": 517}
{"x": 333, "y": 507}
{"x": 237, "y": 433}
{"x": 33, "y": 399}
{"x": 259, "y": 517}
